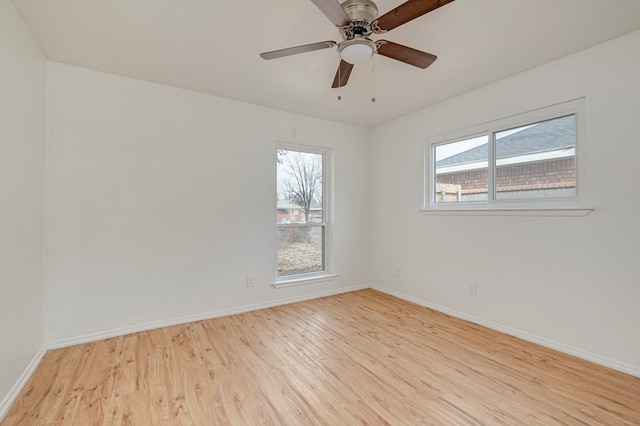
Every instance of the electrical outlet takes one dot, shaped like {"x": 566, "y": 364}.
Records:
{"x": 473, "y": 289}
{"x": 250, "y": 281}
{"x": 397, "y": 272}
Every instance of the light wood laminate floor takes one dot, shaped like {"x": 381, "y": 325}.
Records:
{"x": 356, "y": 358}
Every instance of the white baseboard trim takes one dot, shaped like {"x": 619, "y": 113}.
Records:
{"x": 92, "y": 337}
{"x": 15, "y": 390}
{"x": 634, "y": 370}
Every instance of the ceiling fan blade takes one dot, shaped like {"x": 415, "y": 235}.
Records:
{"x": 408, "y": 11}
{"x": 333, "y": 11}
{"x": 342, "y": 75}
{"x": 405, "y": 54}
{"x": 297, "y": 49}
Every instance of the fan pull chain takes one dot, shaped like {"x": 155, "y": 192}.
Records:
{"x": 339, "y": 82}
{"x": 373, "y": 74}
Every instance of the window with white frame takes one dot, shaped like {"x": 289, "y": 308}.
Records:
{"x": 528, "y": 160}
{"x": 302, "y": 212}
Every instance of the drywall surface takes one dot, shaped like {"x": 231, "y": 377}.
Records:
{"x": 161, "y": 201}
{"x": 569, "y": 281}
{"x": 22, "y": 110}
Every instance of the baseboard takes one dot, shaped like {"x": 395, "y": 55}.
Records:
{"x": 634, "y": 370}
{"x": 92, "y": 337}
{"x": 15, "y": 390}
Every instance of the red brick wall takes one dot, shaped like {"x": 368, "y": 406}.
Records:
{"x": 560, "y": 173}
{"x": 472, "y": 181}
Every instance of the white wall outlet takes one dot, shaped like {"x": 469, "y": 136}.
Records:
{"x": 396, "y": 272}
{"x": 250, "y": 281}
{"x": 473, "y": 289}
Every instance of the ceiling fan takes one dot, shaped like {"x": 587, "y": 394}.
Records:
{"x": 357, "y": 20}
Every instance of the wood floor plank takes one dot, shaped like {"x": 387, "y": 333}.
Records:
{"x": 357, "y": 358}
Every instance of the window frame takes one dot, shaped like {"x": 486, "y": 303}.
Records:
{"x": 563, "y": 206}
{"x": 327, "y": 219}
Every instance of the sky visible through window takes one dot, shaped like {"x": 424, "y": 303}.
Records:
{"x": 450, "y": 149}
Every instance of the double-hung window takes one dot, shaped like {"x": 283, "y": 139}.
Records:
{"x": 302, "y": 213}
{"x": 530, "y": 161}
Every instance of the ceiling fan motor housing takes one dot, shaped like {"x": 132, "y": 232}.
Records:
{"x": 360, "y": 10}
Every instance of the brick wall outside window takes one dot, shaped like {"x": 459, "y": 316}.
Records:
{"x": 550, "y": 174}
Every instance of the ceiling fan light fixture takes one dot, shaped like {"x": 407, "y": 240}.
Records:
{"x": 356, "y": 50}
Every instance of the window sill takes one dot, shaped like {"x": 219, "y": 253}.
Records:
{"x": 292, "y": 282}
{"x": 576, "y": 212}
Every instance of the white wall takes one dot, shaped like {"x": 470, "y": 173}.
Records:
{"x": 567, "y": 282}
{"x": 22, "y": 109}
{"x": 160, "y": 201}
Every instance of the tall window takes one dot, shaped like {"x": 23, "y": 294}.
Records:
{"x": 301, "y": 213}
{"x": 527, "y": 158}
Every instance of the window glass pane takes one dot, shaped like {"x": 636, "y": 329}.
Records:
{"x": 461, "y": 172}
{"x": 537, "y": 160}
{"x": 300, "y": 215}
{"x": 300, "y": 249}
{"x": 299, "y": 187}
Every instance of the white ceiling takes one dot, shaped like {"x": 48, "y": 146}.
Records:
{"x": 213, "y": 46}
